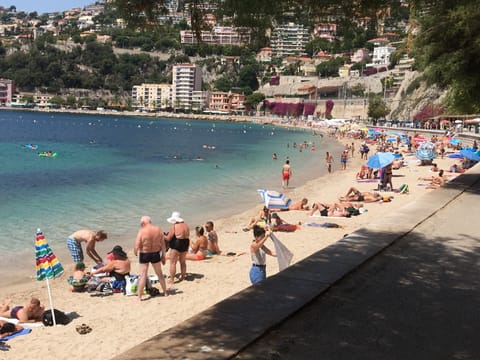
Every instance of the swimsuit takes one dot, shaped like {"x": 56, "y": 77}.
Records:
{"x": 14, "y": 311}
{"x": 324, "y": 212}
{"x": 150, "y": 257}
{"x": 75, "y": 249}
{"x": 286, "y": 175}
{"x": 181, "y": 245}
{"x": 208, "y": 252}
{"x": 78, "y": 284}
{"x": 361, "y": 198}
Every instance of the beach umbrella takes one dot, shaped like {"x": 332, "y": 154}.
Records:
{"x": 470, "y": 154}
{"x": 380, "y": 160}
{"x": 427, "y": 145}
{"x": 274, "y": 200}
{"x": 48, "y": 266}
{"x": 425, "y": 154}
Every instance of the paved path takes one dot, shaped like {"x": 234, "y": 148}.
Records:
{"x": 418, "y": 299}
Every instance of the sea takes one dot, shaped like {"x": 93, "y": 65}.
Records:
{"x": 109, "y": 170}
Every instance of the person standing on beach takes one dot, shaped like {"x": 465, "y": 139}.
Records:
{"x": 286, "y": 174}
{"x": 212, "y": 236}
{"x": 258, "y": 252}
{"x": 343, "y": 159}
{"x": 150, "y": 248}
{"x": 329, "y": 161}
{"x": 74, "y": 244}
{"x": 179, "y": 239}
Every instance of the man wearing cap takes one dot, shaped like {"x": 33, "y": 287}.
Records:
{"x": 179, "y": 239}
{"x": 150, "y": 249}
{"x": 74, "y": 244}
{"x": 118, "y": 267}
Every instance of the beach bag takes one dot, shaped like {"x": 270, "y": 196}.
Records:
{"x": 60, "y": 317}
{"x": 131, "y": 285}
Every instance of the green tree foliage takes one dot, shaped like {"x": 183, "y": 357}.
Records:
{"x": 376, "y": 107}
{"x": 254, "y": 99}
{"x": 448, "y": 50}
{"x": 330, "y": 68}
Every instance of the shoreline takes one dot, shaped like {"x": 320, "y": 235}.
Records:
{"x": 211, "y": 280}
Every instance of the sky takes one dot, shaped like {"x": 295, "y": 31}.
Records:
{"x": 43, "y": 6}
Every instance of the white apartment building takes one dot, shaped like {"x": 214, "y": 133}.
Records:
{"x": 220, "y": 35}
{"x": 186, "y": 79}
{"x": 152, "y": 96}
{"x": 381, "y": 55}
{"x": 289, "y": 39}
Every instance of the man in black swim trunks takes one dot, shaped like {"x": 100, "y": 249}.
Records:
{"x": 150, "y": 248}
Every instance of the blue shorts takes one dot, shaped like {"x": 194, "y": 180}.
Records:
{"x": 258, "y": 274}
{"x": 75, "y": 249}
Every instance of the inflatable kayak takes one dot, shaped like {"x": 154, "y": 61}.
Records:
{"x": 30, "y": 146}
{"x": 46, "y": 154}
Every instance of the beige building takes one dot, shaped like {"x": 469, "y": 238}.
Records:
{"x": 7, "y": 89}
{"x": 152, "y": 96}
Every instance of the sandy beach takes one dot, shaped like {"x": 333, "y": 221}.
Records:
{"x": 119, "y": 322}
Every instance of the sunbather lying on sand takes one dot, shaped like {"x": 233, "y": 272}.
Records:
{"x": 354, "y": 194}
{"x": 300, "y": 205}
{"x": 335, "y": 209}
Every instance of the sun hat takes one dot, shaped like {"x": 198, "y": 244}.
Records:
{"x": 117, "y": 250}
{"x": 175, "y": 218}
{"x": 145, "y": 220}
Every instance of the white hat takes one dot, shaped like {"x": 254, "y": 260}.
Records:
{"x": 175, "y": 218}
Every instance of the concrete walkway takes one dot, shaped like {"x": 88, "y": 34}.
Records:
{"x": 405, "y": 287}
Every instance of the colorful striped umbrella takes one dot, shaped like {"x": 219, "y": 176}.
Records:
{"x": 48, "y": 266}
{"x": 274, "y": 200}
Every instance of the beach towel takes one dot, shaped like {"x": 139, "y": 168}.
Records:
{"x": 284, "y": 256}
{"x": 367, "y": 180}
{"x": 326, "y": 224}
{"x": 25, "y": 325}
{"x": 18, "y": 333}
{"x": 328, "y": 217}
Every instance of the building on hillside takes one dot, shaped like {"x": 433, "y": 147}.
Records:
{"x": 264, "y": 55}
{"x": 219, "y": 35}
{"x": 151, "y": 96}
{"x": 289, "y": 39}
{"x": 186, "y": 79}
{"x": 327, "y": 31}
{"x": 359, "y": 55}
{"x": 226, "y": 102}
{"x": 199, "y": 100}
{"x": 7, "y": 89}
{"x": 381, "y": 55}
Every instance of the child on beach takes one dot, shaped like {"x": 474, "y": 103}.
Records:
{"x": 79, "y": 279}
{"x": 258, "y": 251}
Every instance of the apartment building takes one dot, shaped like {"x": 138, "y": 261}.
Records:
{"x": 186, "y": 79}
{"x": 151, "y": 96}
{"x": 220, "y": 35}
{"x": 7, "y": 88}
{"x": 226, "y": 102}
{"x": 289, "y": 39}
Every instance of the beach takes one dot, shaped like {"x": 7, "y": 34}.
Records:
{"x": 119, "y": 322}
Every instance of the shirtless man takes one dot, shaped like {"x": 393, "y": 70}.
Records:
{"x": 29, "y": 313}
{"x": 150, "y": 248}
{"x": 212, "y": 236}
{"x": 299, "y": 205}
{"x": 286, "y": 174}
{"x": 354, "y": 194}
{"x": 74, "y": 244}
{"x": 329, "y": 161}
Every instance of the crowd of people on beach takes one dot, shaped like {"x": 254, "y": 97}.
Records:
{"x": 171, "y": 250}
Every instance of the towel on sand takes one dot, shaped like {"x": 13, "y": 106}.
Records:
{"x": 18, "y": 333}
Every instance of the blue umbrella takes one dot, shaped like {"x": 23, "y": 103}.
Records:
{"x": 380, "y": 160}
{"x": 470, "y": 154}
{"x": 454, "y": 141}
{"x": 425, "y": 154}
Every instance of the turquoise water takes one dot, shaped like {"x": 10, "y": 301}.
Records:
{"x": 111, "y": 170}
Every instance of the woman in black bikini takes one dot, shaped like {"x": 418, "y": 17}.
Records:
{"x": 178, "y": 238}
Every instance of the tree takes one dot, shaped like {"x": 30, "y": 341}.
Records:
{"x": 254, "y": 99}
{"x": 447, "y": 50}
{"x": 223, "y": 84}
{"x": 377, "y": 108}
